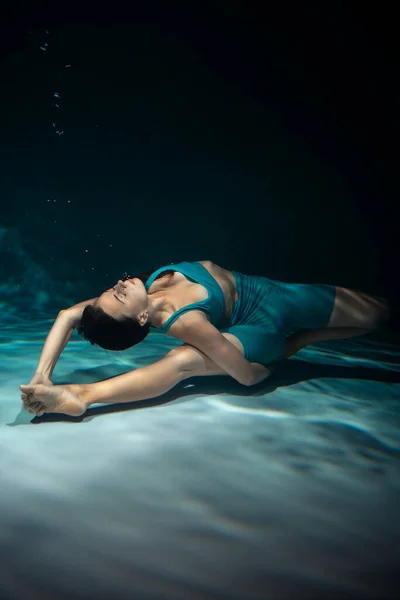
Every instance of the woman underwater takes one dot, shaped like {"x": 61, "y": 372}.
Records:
{"x": 230, "y": 323}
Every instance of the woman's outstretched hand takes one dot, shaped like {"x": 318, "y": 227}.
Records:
{"x": 39, "y": 378}
{"x": 32, "y": 404}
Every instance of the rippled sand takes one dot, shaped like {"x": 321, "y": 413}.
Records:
{"x": 288, "y": 489}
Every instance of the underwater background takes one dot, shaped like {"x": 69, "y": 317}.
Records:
{"x": 260, "y": 138}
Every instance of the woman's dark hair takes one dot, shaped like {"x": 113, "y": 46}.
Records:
{"x": 97, "y": 327}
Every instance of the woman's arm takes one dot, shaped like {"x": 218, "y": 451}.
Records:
{"x": 58, "y": 337}
{"x": 55, "y": 343}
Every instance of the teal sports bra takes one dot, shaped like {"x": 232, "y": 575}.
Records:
{"x": 213, "y": 305}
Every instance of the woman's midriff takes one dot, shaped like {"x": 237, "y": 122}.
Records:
{"x": 226, "y": 281}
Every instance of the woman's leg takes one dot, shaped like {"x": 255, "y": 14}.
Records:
{"x": 312, "y": 336}
{"x": 358, "y": 310}
{"x": 141, "y": 384}
{"x": 354, "y": 314}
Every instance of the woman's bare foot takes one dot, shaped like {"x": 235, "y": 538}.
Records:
{"x": 53, "y": 399}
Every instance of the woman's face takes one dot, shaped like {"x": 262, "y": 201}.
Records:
{"x": 126, "y": 298}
